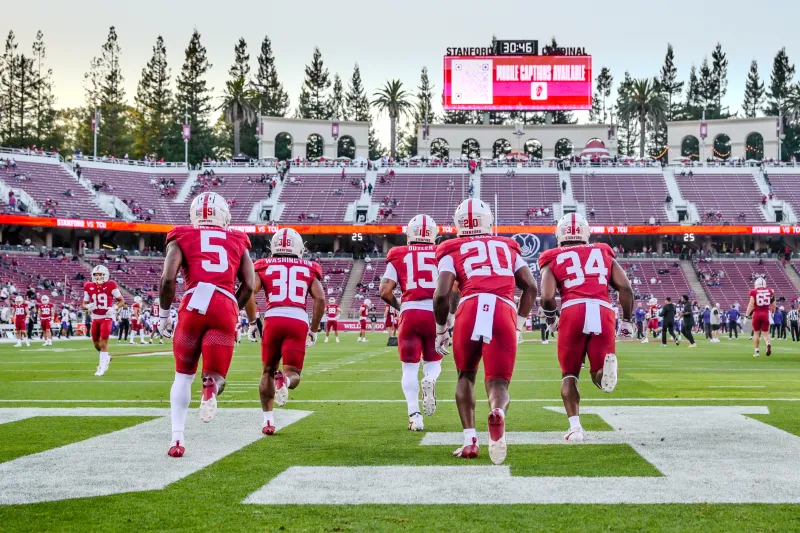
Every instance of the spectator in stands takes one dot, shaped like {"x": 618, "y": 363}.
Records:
{"x": 12, "y": 201}
{"x": 591, "y": 212}
{"x": 563, "y": 186}
{"x": 763, "y": 199}
{"x": 668, "y": 201}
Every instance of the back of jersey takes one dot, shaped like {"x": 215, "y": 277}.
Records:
{"x": 210, "y": 255}
{"x": 287, "y": 282}
{"x": 414, "y": 270}
{"x": 762, "y": 299}
{"x": 483, "y": 264}
{"x": 581, "y": 271}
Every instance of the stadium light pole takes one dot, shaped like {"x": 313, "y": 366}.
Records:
{"x": 96, "y": 124}
{"x": 186, "y": 138}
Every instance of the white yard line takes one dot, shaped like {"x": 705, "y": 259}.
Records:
{"x": 522, "y": 400}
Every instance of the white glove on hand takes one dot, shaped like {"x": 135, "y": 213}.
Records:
{"x": 164, "y": 323}
{"x": 442, "y": 338}
{"x": 251, "y": 332}
{"x": 91, "y": 307}
{"x": 626, "y": 329}
{"x": 520, "y": 327}
{"x": 111, "y": 311}
{"x": 552, "y": 323}
{"x": 312, "y": 339}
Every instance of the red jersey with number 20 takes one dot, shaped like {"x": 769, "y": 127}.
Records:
{"x": 210, "y": 254}
{"x": 414, "y": 269}
{"x": 581, "y": 271}
{"x": 762, "y": 299}
{"x": 482, "y": 264}
{"x": 287, "y": 282}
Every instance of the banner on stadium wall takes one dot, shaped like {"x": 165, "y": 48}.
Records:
{"x": 352, "y": 325}
{"x": 541, "y": 232}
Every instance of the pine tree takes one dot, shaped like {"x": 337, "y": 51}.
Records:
{"x": 193, "y": 94}
{"x": 670, "y": 86}
{"x": 313, "y": 102}
{"x": 92, "y": 80}
{"x": 753, "y": 92}
{"x": 24, "y": 85}
{"x": 273, "y": 98}
{"x": 708, "y": 90}
{"x": 241, "y": 60}
{"x": 338, "y": 108}
{"x": 113, "y": 138}
{"x": 44, "y": 114}
{"x": 423, "y": 111}
{"x": 604, "y": 83}
{"x": 780, "y": 84}
{"x": 627, "y": 127}
{"x": 153, "y": 113}
{"x": 358, "y": 109}
{"x": 596, "y": 112}
{"x": 691, "y": 106}
{"x": 719, "y": 63}
{"x": 7, "y": 78}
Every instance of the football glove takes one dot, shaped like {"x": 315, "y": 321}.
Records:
{"x": 312, "y": 339}
{"x": 91, "y": 307}
{"x": 442, "y": 338}
{"x": 251, "y": 332}
{"x": 164, "y": 323}
{"x": 626, "y": 329}
{"x": 552, "y": 323}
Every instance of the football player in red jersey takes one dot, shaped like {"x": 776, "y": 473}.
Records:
{"x": 652, "y": 319}
{"x": 333, "y": 311}
{"x": 137, "y": 320}
{"x": 413, "y": 269}
{"x": 582, "y": 273}
{"x": 761, "y": 306}
{"x": 212, "y": 257}
{"x": 21, "y": 321}
{"x": 154, "y": 309}
{"x": 101, "y": 298}
{"x": 362, "y": 320}
{"x": 487, "y": 268}
{"x": 45, "y": 319}
{"x": 288, "y": 280}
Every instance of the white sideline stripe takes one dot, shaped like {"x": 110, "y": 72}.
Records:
{"x": 251, "y": 384}
{"x": 525, "y": 437}
{"x": 522, "y": 400}
{"x": 737, "y": 386}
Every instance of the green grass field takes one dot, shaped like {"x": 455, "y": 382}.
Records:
{"x": 356, "y": 417}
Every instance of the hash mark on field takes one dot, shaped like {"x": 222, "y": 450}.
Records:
{"x": 737, "y": 386}
{"x": 348, "y": 360}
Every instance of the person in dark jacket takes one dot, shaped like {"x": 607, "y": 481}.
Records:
{"x": 733, "y": 322}
{"x": 668, "y": 312}
{"x": 688, "y": 320}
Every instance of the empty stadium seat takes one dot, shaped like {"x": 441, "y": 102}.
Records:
{"x": 621, "y": 198}
{"x": 422, "y": 193}
{"x": 518, "y": 194}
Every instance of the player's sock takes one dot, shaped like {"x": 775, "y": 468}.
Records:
{"x": 410, "y": 384}
{"x": 469, "y": 434}
{"x": 104, "y": 358}
{"x": 179, "y": 397}
{"x": 574, "y": 422}
{"x": 432, "y": 369}
{"x": 503, "y": 413}
{"x": 269, "y": 418}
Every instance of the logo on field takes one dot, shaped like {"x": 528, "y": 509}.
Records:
{"x": 529, "y": 245}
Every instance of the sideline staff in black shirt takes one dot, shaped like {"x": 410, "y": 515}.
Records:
{"x": 668, "y": 325}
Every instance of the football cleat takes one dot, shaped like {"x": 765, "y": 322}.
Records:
{"x": 498, "y": 449}
{"x": 645, "y": 340}
{"x": 208, "y": 401}
{"x": 326, "y": 339}
{"x": 756, "y": 354}
{"x": 268, "y": 429}
{"x": 469, "y": 451}
{"x": 428, "y": 396}
{"x": 176, "y": 450}
{"x": 545, "y": 342}
{"x": 337, "y": 339}
{"x": 18, "y": 345}
{"x": 574, "y": 435}
{"x": 415, "y": 422}
{"x": 609, "y": 380}
{"x": 769, "y": 349}
{"x": 102, "y": 367}
{"x": 281, "y": 389}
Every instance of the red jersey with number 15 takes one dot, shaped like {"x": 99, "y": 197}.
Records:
{"x": 762, "y": 299}
{"x": 287, "y": 281}
{"x": 413, "y": 268}
{"x": 581, "y": 271}
{"x": 482, "y": 264}
{"x": 210, "y": 254}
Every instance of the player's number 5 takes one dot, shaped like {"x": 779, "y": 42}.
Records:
{"x": 221, "y": 265}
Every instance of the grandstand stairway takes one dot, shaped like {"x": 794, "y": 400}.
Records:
{"x": 691, "y": 277}
{"x": 791, "y": 272}
{"x": 349, "y": 293}
{"x": 677, "y": 199}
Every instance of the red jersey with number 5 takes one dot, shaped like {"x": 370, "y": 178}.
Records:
{"x": 413, "y": 268}
{"x": 581, "y": 271}
{"x": 482, "y": 264}
{"x": 210, "y": 254}
{"x": 287, "y": 282}
{"x": 762, "y": 299}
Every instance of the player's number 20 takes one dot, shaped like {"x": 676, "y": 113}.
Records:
{"x": 490, "y": 250}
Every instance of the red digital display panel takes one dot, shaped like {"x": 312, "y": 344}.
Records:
{"x": 517, "y": 83}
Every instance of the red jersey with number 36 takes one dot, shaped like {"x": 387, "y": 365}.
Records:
{"x": 482, "y": 264}
{"x": 581, "y": 271}
{"x": 287, "y": 281}
{"x": 210, "y": 254}
{"x": 762, "y": 299}
{"x": 414, "y": 269}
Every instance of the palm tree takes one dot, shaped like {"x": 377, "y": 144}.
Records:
{"x": 643, "y": 102}
{"x": 793, "y": 102}
{"x": 239, "y": 104}
{"x": 394, "y": 100}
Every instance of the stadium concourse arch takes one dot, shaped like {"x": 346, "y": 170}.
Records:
{"x": 744, "y": 135}
{"x": 300, "y": 130}
{"x": 454, "y": 135}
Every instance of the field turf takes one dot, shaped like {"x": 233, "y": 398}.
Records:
{"x": 358, "y": 418}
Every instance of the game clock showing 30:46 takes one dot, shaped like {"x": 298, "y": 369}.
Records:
{"x": 517, "y": 48}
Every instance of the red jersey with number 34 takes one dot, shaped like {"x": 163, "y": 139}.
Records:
{"x": 287, "y": 281}
{"x": 482, "y": 264}
{"x": 414, "y": 269}
{"x": 210, "y": 254}
{"x": 581, "y": 271}
{"x": 762, "y": 299}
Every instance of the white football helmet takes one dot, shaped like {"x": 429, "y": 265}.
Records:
{"x": 652, "y": 301}
{"x": 45, "y": 299}
{"x": 422, "y": 229}
{"x": 19, "y": 300}
{"x": 331, "y": 300}
{"x": 210, "y": 209}
{"x": 761, "y": 283}
{"x": 473, "y": 217}
{"x": 287, "y": 242}
{"x": 367, "y": 302}
{"x": 100, "y": 274}
{"x": 137, "y": 299}
{"x": 572, "y": 228}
